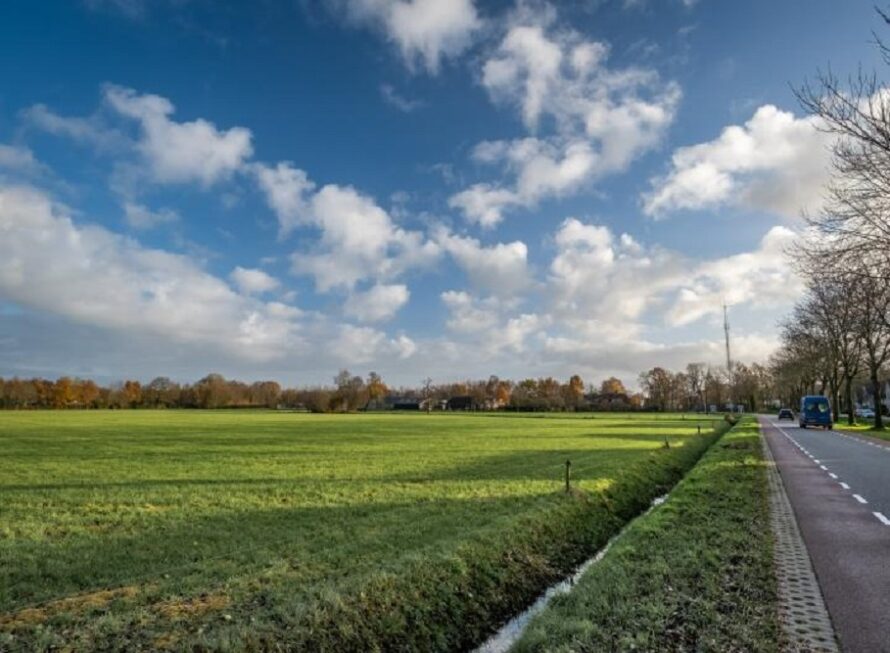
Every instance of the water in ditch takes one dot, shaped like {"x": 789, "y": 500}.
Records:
{"x": 509, "y": 634}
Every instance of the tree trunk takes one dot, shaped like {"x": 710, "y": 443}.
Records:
{"x": 876, "y": 397}
{"x": 835, "y": 397}
{"x": 849, "y": 387}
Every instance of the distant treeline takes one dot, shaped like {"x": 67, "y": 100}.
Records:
{"x": 695, "y": 388}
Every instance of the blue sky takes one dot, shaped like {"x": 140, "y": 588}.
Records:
{"x": 418, "y": 187}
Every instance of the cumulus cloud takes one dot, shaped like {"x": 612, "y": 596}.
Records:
{"x": 140, "y": 216}
{"x": 598, "y": 119}
{"x": 378, "y": 303}
{"x": 492, "y": 324}
{"x": 251, "y": 281}
{"x": 179, "y": 152}
{"x": 774, "y": 162}
{"x": 90, "y": 275}
{"x": 425, "y": 31}
{"x": 760, "y": 277}
{"x": 358, "y": 241}
{"x": 358, "y": 345}
{"x": 285, "y": 188}
{"x": 500, "y": 269}
{"x": 596, "y": 275}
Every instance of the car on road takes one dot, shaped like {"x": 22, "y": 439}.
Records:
{"x": 786, "y": 413}
{"x": 865, "y": 413}
{"x": 815, "y": 410}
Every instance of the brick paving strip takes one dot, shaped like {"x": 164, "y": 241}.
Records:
{"x": 803, "y": 616}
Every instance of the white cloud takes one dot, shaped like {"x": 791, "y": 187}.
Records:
{"x": 467, "y": 315}
{"x": 774, "y": 162}
{"x": 597, "y": 119}
{"x": 90, "y": 275}
{"x": 378, "y": 303}
{"x": 285, "y": 188}
{"x": 358, "y": 241}
{"x": 762, "y": 277}
{"x": 251, "y": 281}
{"x": 360, "y": 345}
{"x": 139, "y": 216}
{"x": 423, "y": 30}
{"x": 614, "y": 280}
{"x": 491, "y": 324}
{"x": 500, "y": 269}
{"x": 178, "y": 152}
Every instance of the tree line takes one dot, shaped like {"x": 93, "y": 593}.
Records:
{"x": 838, "y": 337}
{"x": 696, "y": 388}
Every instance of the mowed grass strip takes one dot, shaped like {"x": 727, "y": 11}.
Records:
{"x": 694, "y": 575}
{"x": 864, "y": 428}
{"x": 230, "y": 530}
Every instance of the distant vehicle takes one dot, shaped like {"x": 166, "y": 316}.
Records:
{"x": 865, "y": 413}
{"x": 786, "y": 413}
{"x": 815, "y": 411}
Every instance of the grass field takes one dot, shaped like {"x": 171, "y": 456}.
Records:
{"x": 694, "y": 575}
{"x": 233, "y": 530}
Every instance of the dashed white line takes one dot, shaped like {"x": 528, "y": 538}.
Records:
{"x": 859, "y": 498}
{"x": 833, "y": 475}
{"x": 845, "y": 486}
{"x": 882, "y": 518}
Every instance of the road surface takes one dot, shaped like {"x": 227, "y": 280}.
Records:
{"x": 839, "y": 487}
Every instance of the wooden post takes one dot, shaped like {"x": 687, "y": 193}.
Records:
{"x": 699, "y": 429}
{"x": 568, "y": 473}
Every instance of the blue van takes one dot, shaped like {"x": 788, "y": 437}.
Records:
{"x": 815, "y": 411}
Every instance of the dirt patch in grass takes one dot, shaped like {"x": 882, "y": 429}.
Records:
{"x": 78, "y": 604}
{"x": 194, "y": 607}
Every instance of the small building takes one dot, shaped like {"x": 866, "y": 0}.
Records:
{"x": 393, "y": 402}
{"x": 462, "y": 402}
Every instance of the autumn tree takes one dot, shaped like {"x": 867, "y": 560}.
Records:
{"x": 612, "y": 387}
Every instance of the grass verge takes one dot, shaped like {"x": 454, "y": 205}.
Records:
{"x": 694, "y": 575}
{"x": 864, "y": 428}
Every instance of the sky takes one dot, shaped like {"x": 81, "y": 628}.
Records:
{"x": 423, "y": 188}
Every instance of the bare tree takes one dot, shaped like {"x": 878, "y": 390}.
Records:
{"x": 872, "y": 300}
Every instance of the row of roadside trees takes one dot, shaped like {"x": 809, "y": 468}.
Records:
{"x": 838, "y": 336}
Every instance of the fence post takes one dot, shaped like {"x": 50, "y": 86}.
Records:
{"x": 568, "y": 473}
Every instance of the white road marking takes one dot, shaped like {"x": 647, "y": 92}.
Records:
{"x": 882, "y": 519}
{"x": 823, "y": 468}
{"x": 859, "y": 498}
{"x": 816, "y": 461}
{"x": 845, "y": 486}
{"x": 833, "y": 475}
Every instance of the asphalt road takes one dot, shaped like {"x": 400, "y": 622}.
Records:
{"x": 839, "y": 487}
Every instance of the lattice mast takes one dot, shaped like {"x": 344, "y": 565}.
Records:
{"x": 726, "y": 332}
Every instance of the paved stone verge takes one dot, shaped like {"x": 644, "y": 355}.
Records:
{"x": 803, "y": 616}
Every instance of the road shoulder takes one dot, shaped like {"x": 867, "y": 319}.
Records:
{"x": 803, "y": 615}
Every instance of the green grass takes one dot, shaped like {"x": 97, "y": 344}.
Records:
{"x": 694, "y": 575}
{"x": 231, "y": 530}
{"x": 865, "y": 428}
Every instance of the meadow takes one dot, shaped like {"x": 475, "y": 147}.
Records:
{"x": 264, "y": 530}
